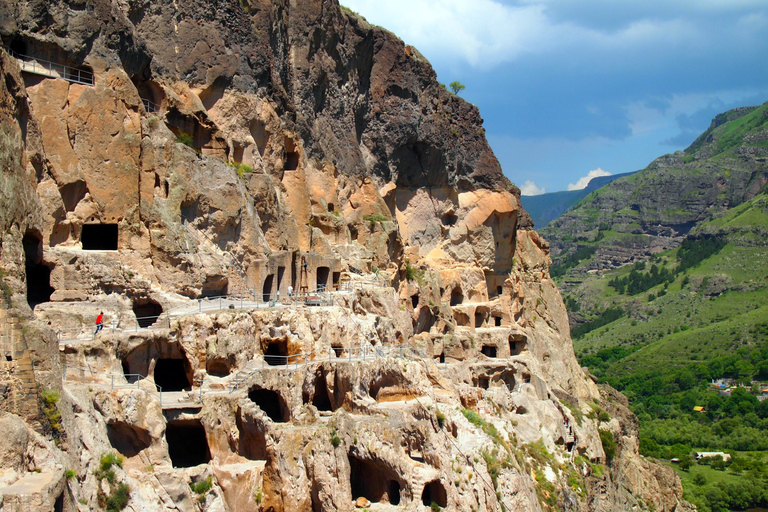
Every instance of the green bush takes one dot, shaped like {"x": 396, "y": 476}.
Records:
{"x": 119, "y": 498}
{"x": 185, "y": 138}
{"x": 609, "y": 444}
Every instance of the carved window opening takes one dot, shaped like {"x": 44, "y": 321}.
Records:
{"x": 489, "y": 350}
{"x": 99, "y": 237}
{"x": 271, "y": 403}
{"x": 187, "y": 443}
{"x": 517, "y": 344}
{"x": 497, "y": 321}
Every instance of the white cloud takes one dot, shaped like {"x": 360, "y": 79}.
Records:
{"x": 584, "y": 180}
{"x": 529, "y": 188}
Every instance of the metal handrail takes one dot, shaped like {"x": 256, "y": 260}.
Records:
{"x": 124, "y": 376}
{"x": 149, "y": 106}
{"x": 52, "y": 69}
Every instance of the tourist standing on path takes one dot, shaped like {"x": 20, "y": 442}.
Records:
{"x": 99, "y": 323}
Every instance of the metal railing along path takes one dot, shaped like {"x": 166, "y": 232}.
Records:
{"x": 98, "y": 378}
{"x": 52, "y": 69}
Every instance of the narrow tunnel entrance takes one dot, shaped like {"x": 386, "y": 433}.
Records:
{"x": 271, "y": 403}
{"x": 170, "y": 375}
{"x": 99, "y": 237}
{"x": 39, "y": 288}
{"x": 318, "y": 394}
{"x": 147, "y": 312}
{"x": 187, "y": 443}
{"x": 434, "y": 492}
{"x": 128, "y": 439}
{"x": 456, "y": 297}
{"x": 266, "y": 290}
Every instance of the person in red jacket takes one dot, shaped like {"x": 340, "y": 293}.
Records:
{"x": 99, "y": 323}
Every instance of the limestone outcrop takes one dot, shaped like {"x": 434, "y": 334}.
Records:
{"x": 318, "y": 289}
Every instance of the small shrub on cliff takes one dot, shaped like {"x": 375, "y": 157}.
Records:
{"x": 335, "y": 439}
{"x": 609, "y": 444}
{"x": 201, "y": 488}
{"x": 50, "y": 415}
{"x": 185, "y": 138}
{"x": 440, "y": 418}
{"x": 119, "y": 498}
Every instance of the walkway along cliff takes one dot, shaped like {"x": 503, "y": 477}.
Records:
{"x": 319, "y": 290}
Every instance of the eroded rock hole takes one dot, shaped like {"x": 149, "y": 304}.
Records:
{"x": 415, "y": 300}
{"x": 322, "y": 277}
{"x": 171, "y": 375}
{"x": 353, "y": 232}
{"x": 277, "y": 353}
{"x": 266, "y": 290}
{"x": 372, "y": 481}
{"x": 128, "y": 439}
{"x": 462, "y": 319}
{"x": 497, "y": 321}
{"x": 39, "y": 288}
{"x": 456, "y": 297}
{"x": 147, "y": 312}
{"x": 187, "y": 443}
{"x": 72, "y": 194}
{"x": 489, "y": 350}
{"x": 99, "y": 237}
{"x": 483, "y": 381}
{"x": 217, "y": 368}
{"x": 271, "y": 403}
{"x": 449, "y": 219}
{"x": 291, "y": 161}
{"x": 434, "y": 492}
{"x": 331, "y": 207}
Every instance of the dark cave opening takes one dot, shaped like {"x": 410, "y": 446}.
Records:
{"x": 277, "y": 353}
{"x": 449, "y": 219}
{"x": 39, "y": 288}
{"x": 497, "y": 321}
{"x": 434, "y": 492}
{"x": 147, "y": 312}
{"x": 488, "y": 350}
{"x": 171, "y": 375}
{"x": 271, "y": 403}
{"x": 322, "y": 277}
{"x": 187, "y": 443}
{"x": 266, "y": 290}
{"x": 372, "y": 481}
{"x": 217, "y": 368}
{"x": 127, "y": 439}
{"x": 291, "y": 161}
{"x": 415, "y": 300}
{"x": 456, "y": 297}
{"x": 517, "y": 344}
{"x": 99, "y": 237}
{"x": 479, "y": 318}
{"x": 353, "y": 232}
{"x": 280, "y": 274}
{"x": 320, "y": 397}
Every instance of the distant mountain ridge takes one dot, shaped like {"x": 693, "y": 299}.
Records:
{"x": 544, "y": 208}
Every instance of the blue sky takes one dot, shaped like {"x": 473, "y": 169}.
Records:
{"x": 570, "y": 89}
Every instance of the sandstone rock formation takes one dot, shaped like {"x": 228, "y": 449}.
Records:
{"x": 390, "y": 331}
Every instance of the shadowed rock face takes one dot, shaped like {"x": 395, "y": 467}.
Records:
{"x": 257, "y": 147}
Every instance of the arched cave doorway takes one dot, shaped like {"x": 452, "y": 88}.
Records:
{"x": 187, "y": 443}
{"x": 266, "y": 290}
{"x": 317, "y": 393}
{"x": 147, "y": 312}
{"x": 277, "y": 353}
{"x": 374, "y": 481}
{"x": 171, "y": 375}
{"x": 456, "y": 297}
{"x": 271, "y": 403}
{"x": 434, "y": 492}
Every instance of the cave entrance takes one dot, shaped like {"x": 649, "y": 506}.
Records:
{"x": 171, "y": 375}
{"x": 319, "y": 397}
{"x": 187, "y": 443}
{"x": 271, "y": 403}
{"x": 394, "y": 492}
{"x": 266, "y": 290}
{"x": 99, "y": 237}
{"x": 217, "y": 367}
{"x": 128, "y": 439}
{"x": 335, "y": 277}
{"x": 147, "y": 312}
{"x": 483, "y": 381}
{"x": 353, "y": 232}
{"x": 456, "y": 297}
{"x": 479, "y": 317}
{"x": 372, "y": 481}
{"x": 517, "y": 344}
{"x": 291, "y": 161}
{"x": 322, "y": 277}
{"x": 277, "y": 353}
{"x": 497, "y": 321}
{"x": 39, "y": 288}
{"x": 434, "y": 492}
{"x": 252, "y": 443}
{"x": 415, "y": 300}
{"x": 338, "y": 350}
{"x": 214, "y": 287}
{"x": 489, "y": 350}
{"x": 280, "y": 274}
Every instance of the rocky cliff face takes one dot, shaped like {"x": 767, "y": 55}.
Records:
{"x": 390, "y": 330}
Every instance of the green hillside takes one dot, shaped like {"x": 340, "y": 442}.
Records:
{"x": 665, "y": 275}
